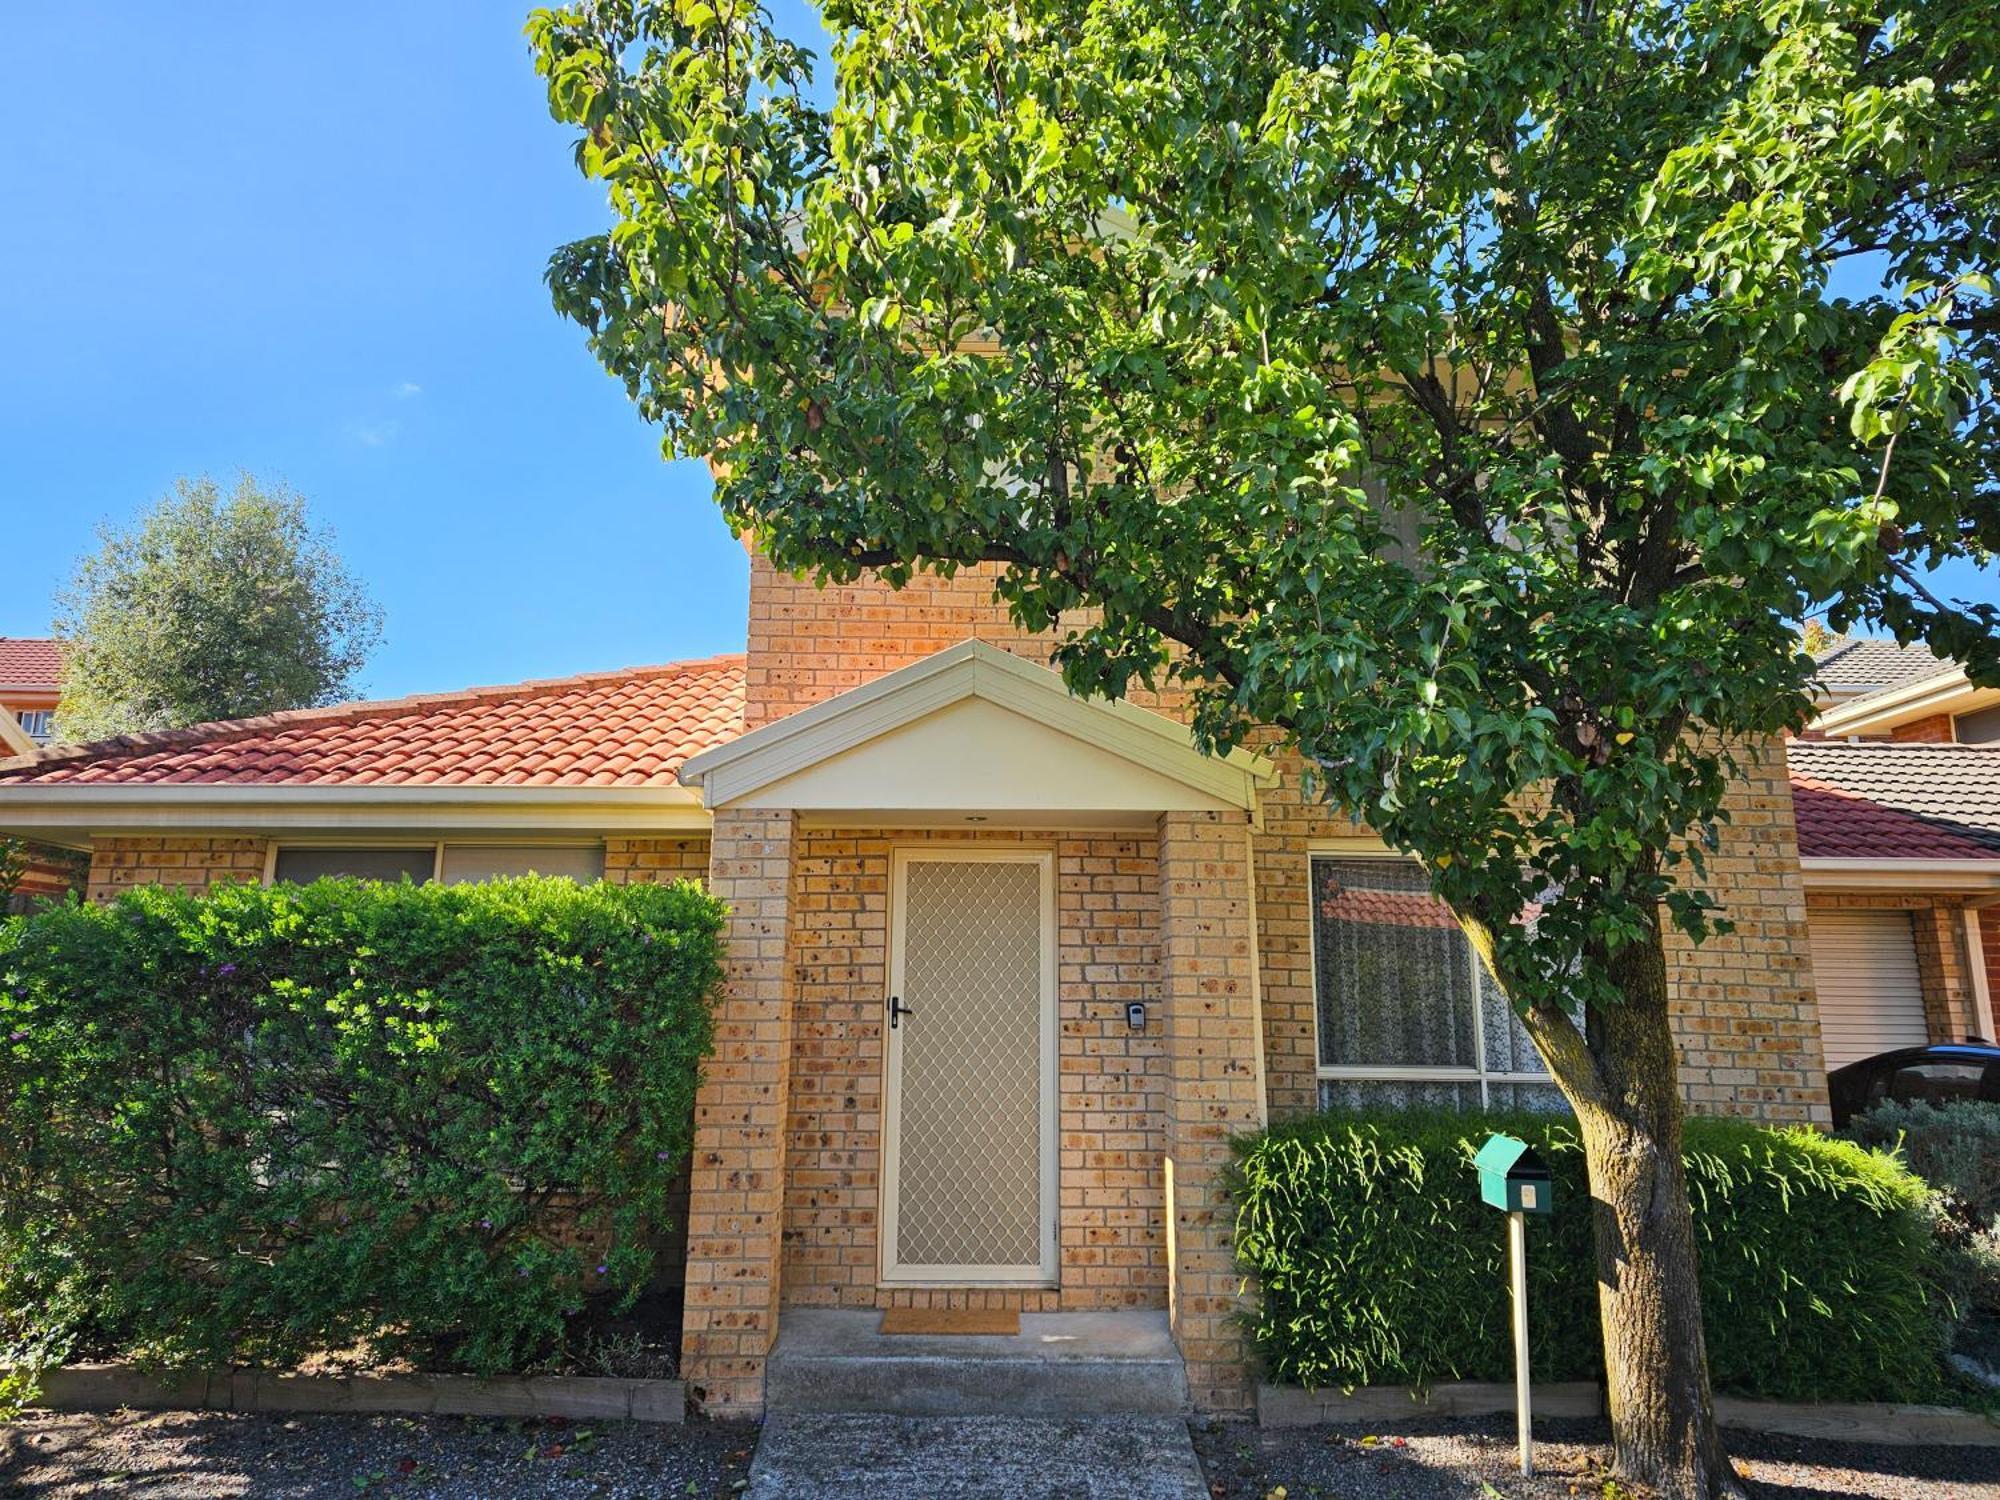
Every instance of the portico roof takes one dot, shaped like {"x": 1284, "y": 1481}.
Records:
{"x": 973, "y": 731}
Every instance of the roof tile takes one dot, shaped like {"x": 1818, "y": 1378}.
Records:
{"x": 1859, "y": 665}
{"x": 1874, "y": 799}
{"x": 30, "y": 662}
{"x": 629, "y": 728}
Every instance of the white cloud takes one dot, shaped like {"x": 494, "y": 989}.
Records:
{"x": 406, "y": 390}
{"x": 374, "y": 434}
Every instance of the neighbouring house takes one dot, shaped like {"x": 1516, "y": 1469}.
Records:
{"x": 1896, "y": 788}
{"x": 30, "y": 685}
{"x": 1006, "y": 969}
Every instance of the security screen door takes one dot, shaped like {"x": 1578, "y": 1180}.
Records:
{"x": 969, "y": 1127}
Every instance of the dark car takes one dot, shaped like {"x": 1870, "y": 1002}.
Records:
{"x": 1938, "y": 1074}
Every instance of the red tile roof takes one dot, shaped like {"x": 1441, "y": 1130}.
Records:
{"x": 629, "y": 728}
{"x": 30, "y": 662}
{"x": 1873, "y": 799}
{"x": 1367, "y": 907}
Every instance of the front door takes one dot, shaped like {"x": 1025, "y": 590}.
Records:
{"x": 969, "y": 1118}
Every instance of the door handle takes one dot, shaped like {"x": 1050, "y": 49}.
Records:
{"x": 897, "y": 1010}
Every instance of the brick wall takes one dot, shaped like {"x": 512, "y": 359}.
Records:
{"x": 1744, "y": 1003}
{"x": 633, "y": 861}
{"x": 808, "y": 644}
{"x": 1110, "y": 1234}
{"x": 1935, "y": 730}
{"x": 1937, "y": 924}
{"x": 736, "y": 1181}
{"x": 190, "y": 863}
{"x": 1208, "y": 976}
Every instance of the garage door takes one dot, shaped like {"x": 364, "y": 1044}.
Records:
{"x": 1870, "y": 998}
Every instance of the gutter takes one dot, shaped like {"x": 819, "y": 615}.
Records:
{"x": 1901, "y": 874}
{"x": 49, "y": 811}
{"x": 1888, "y": 707}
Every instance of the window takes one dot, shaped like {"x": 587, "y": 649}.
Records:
{"x": 1979, "y": 728}
{"x": 1407, "y": 1014}
{"x": 303, "y": 866}
{"x": 38, "y": 724}
{"x": 453, "y": 863}
{"x": 463, "y": 862}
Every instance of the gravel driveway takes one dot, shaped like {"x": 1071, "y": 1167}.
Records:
{"x": 198, "y": 1455}
{"x": 1460, "y": 1460}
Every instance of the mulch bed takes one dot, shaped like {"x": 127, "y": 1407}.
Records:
{"x": 1474, "y": 1459}
{"x": 202, "y": 1455}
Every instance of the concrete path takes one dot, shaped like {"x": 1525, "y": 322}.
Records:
{"x": 815, "y": 1456}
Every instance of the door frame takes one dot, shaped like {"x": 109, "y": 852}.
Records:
{"x": 891, "y": 1272}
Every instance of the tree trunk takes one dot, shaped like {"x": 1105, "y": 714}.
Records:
{"x": 1663, "y": 1429}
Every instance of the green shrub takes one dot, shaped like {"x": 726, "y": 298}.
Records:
{"x": 1954, "y": 1147}
{"x": 251, "y": 1125}
{"x": 1376, "y": 1262}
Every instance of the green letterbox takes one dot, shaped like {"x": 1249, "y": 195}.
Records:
{"x": 1512, "y": 1177}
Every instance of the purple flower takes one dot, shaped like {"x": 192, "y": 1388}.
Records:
{"x": 645, "y": 937}
{"x": 225, "y": 971}
{"x": 600, "y": 1268}
{"x": 521, "y": 1271}
{"x": 660, "y": 1155}
{"x": 485, "y": 1223}
{"x": 19, "y": 1036}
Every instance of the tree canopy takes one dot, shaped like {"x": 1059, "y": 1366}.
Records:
{"x": 1131, "y": 297}
{"x": 211, "y": 607}
{"x": 1475, "y": 392}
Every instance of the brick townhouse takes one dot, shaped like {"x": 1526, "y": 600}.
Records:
{"x": 1006, "y": 969}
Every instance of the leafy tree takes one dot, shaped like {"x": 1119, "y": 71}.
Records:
{"x": 1126, "y": 295}
{"x": 213, "y": 607}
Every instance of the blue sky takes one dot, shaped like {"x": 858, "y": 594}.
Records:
{"x": 307, "y": 241}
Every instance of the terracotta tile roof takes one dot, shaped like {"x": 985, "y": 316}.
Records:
{"x": 30, "y": 661}
{"x": 629, "y": 728}
{"x": 1377, "y": 908}
{"x": 1874, "y": 799}
{"x": 1857, "y": 664}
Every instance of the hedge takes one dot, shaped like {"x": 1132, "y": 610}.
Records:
{"x": 1376, "y": 1263}
{"x": 1954, "y": 1146}
{"x": 416, "y": 1121}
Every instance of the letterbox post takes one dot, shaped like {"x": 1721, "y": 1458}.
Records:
{"x": 1516, "y": 1181}
{"x": 1517, "y": 1255}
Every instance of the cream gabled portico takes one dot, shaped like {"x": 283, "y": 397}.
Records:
{"x": 949, "y": 885}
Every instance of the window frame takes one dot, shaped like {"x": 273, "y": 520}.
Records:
{"x": 437, "y": 846}
{"x": 1480, "y": 1073}
{"x": 47, "y": 719}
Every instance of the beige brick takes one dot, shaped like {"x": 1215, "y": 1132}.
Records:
{"x": 186, "y": 863}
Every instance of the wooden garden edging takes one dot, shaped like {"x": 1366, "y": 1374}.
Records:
{"x": 1852, "y": 1422}
{"x": 108, "y": 1387}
